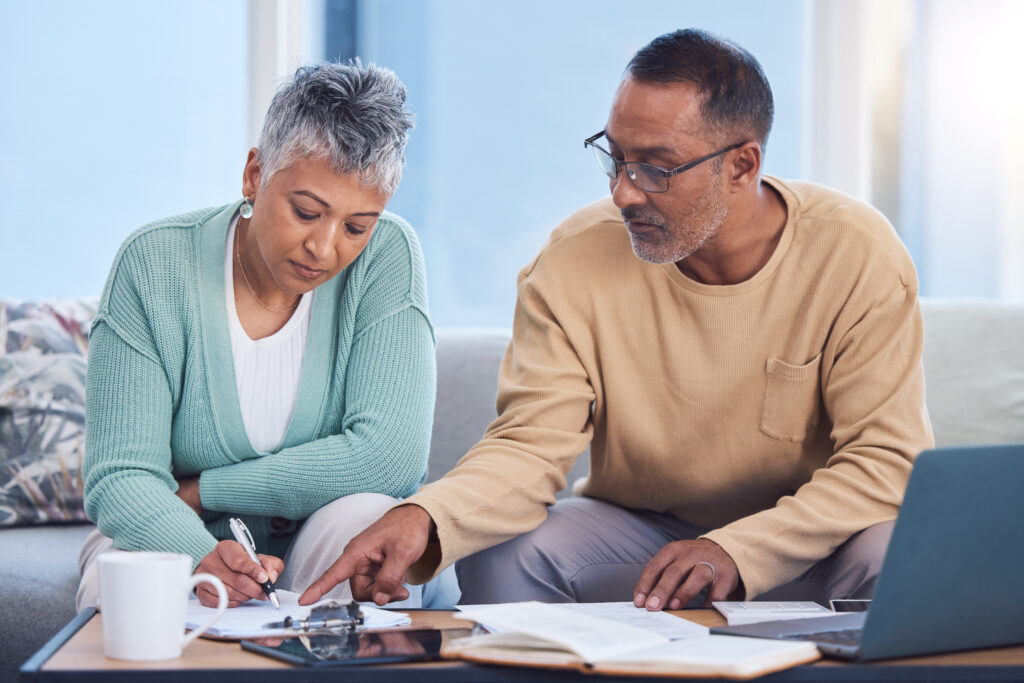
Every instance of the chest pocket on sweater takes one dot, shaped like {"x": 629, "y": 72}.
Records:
{"x": 791, "y": 399}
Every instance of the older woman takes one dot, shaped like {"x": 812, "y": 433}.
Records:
{"x": 271, "y": 359}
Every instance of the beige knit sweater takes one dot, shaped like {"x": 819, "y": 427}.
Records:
{"x": 784, "y": 411}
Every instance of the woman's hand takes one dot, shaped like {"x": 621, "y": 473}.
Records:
{"x": 188, "y": 491}
{"x": 241, "y": 576}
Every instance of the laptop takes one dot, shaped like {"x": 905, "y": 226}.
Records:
{"x": 953, "y": 576}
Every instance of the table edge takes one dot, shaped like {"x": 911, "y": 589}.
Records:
{"x": 879, "y": 670}
{"x": 35, "y": 662}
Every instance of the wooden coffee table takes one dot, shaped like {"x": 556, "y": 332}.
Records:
{"x": 76, "y": 654}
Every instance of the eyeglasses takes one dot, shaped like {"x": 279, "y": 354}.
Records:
{"x": 644, "y": 176}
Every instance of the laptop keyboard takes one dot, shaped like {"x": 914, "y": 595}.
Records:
{"x": 848, "y": 636}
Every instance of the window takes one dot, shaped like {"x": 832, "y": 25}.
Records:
{"x": 115, "y": 113}
{"x": 961, "y": 205}
{"x": 118, "y": 112}
{"x": 924, "y": 121}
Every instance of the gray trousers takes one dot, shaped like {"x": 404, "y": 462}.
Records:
{"x": 591, "y": 551}
{"x": 316, "y": 546}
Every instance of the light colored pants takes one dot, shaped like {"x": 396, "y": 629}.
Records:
{"x": 591, "y": 551}
{"x": 316, "y": 546}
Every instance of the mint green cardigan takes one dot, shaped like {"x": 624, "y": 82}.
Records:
{"x": 161, "y": 398}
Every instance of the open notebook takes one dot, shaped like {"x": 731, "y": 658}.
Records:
{"x": 551, "y": 636}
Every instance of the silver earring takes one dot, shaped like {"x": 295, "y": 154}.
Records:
{"x": 246, "y": 210}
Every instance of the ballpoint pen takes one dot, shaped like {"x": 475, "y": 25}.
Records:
{"x": 242, "y": 535}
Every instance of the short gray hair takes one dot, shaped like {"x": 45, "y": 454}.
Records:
{"x": 352, "y": 115}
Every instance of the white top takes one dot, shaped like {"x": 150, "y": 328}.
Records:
{"x": 268, "y": 370}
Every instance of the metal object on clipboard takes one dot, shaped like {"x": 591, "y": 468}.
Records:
{"x": 332, "y": 616}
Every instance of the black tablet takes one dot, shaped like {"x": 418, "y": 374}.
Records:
{"x": 341, "y": 649}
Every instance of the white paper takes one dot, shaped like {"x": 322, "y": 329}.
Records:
{"x": 662, "y": 623}
{"x": 739, "y": 613}
{"x": 592, "y": 638}
{"x": 247, "y": 620}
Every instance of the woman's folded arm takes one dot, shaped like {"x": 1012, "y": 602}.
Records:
{"x": 383, "y": 445}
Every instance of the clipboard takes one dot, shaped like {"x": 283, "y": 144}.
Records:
{"x": 258, "y": 619}
{"x": 333, "y": 617}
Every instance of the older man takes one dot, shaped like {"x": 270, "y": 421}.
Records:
{"x": 742, "y": 353}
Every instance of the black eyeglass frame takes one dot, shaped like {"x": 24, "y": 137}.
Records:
{"x": 664, "y": 173}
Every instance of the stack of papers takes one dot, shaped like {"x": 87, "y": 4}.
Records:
{"x": 248, "y": 619}
{"x": 739, "y": 613}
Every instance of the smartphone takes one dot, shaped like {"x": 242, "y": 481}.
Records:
{"x": 849, "y": 605}
{"x": 358, "y": 648}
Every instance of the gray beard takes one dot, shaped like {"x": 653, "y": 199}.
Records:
{"x": 691, "y": 232}
{"x": 661, "y": 254}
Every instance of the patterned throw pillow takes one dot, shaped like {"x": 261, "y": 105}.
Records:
{"x": 43, "y": 347}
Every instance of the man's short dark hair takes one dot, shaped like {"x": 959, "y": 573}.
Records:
{"x": 738, "y": 101}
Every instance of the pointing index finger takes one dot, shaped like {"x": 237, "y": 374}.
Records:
{"x": 342, "y": 570}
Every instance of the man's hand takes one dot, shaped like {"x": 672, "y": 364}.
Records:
{"x": 188, "y": 491}
{"x": 375, "y": 561}
{"x": 241, "y": 576}
{"x": 677, "y": 574}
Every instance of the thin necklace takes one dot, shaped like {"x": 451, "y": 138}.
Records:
{"x": 238, "y": 255}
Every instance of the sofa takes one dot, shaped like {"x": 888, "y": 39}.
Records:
{"x": 974, "y": 369}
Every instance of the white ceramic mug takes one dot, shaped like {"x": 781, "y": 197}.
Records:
{"x": 143, "y": 598}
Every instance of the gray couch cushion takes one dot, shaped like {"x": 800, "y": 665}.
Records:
{"x": 39, "y": 576}
{"x": 974, "y": 370}
{"x": 467, "y": 389}
{"x": 467, "y": 386}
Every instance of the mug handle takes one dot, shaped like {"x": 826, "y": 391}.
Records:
{"x": 222, "y": 604}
